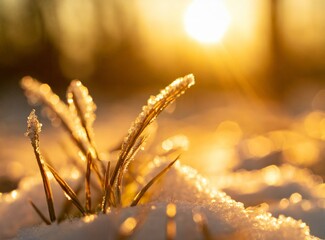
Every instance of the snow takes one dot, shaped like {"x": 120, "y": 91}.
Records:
{"x": 182, "y": 185}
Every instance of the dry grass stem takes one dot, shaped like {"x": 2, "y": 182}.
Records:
{"x": 155, "y": 105}
{"x": 107, "y": 189}
{"x": 140, "y": 194}
{"x": 87, "y": 185}
{"x": 81, "y": 104}
{"x": 40, "y": 213}
{"x": 68, "y": 205}
{"x": 67, "y": 190}
{"x": 33, "y": 131}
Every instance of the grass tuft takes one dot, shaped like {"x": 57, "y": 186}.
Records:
{"x": 77, "y": 118}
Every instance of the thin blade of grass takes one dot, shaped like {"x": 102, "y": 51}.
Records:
{"x": 40, "y": 214}
{"x": 33, "y": 131}
{"x": 67, "y": 189}
{"x": 68, "y": 204}
{"x": 137, "y": 146}
{"x": 87, "y": 185}
{"x": 83, "y": 105}
{"x": 47, "y": 189}
{"x": 107, "y": 189}
{"x": 140, "y": 194}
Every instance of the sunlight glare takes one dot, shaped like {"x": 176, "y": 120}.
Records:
{"x": 206, "y": 20}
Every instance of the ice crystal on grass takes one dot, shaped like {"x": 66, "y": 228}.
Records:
{"x": 134, "y": 139}
{"x": 40, "y": 93}
{"x": 82, "y": 104}
{"x": 34, "y": 128}
{"x": 77, "y": 119}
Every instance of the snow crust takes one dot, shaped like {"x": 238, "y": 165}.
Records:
{"x": 182, "y": 185}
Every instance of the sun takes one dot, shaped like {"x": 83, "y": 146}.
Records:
{"x": 206, "y": 20}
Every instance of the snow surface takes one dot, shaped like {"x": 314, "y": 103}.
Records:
{"x": 182, "y": 185}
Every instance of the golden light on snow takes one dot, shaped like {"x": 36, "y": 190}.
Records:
{"x": 89, "y": 218}
{"x": 128, "y": 226}
{"x": 206, "y": 20}
{"x": 197, "y": 217}
{"x": 14, "y": 194}
{"x": 171, "y": 224}
{"x": 171, "y": 210}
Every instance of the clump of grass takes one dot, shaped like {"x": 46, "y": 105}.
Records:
{"x": 77, "y": 118}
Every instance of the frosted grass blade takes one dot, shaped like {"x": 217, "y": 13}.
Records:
{"x": 155, "y": 105}
{"x": 67, "y": 189}
{"x": 33, "y": 131}
{"x": 40, "y": 214}
{"x": 140, "y": 194}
